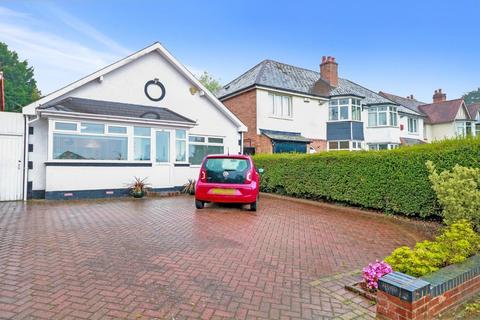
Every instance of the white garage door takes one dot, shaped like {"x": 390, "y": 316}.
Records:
{"x": 11, "y": 156}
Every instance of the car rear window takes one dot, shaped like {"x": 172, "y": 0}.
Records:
{"x": 226, "y": 170}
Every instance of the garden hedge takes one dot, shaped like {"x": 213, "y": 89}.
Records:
{"x": 394, "y": 181}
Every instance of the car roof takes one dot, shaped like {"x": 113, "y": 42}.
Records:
{"x": 228, "y": 156}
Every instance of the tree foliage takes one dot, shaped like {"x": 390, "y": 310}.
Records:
{"x": 20, "y": 85}
{"x": 472, "y": 97}
{"x": 210, "y": 82}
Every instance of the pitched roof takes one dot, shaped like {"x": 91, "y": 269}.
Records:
{"x": 277, "y": 75}
{"x": 473, "y": 110}
{"x": 441, "y": 112}
{"x": 155, "y": 47}
{"x": 98, "y": 107}
{"x": 408, "y": 103}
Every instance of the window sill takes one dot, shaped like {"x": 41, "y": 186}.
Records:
{"x": 280, "y": 118}
{"x": 382, "y": 127}
{"x": 94, "y": 163}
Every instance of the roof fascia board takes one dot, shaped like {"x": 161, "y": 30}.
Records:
{"x": 292, "y": 92}
{"x": 89, "y": 116}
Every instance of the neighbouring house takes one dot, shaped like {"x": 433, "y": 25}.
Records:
{"x": 288, "y": 108}
{"x": 145, "y": 115}
{"x": 443, "y": 119}
{"x": 474, "y": 111}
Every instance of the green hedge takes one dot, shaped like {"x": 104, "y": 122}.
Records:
{"x": 395, "y": 181}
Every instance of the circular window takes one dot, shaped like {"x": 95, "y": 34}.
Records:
{"x": 154, "y": 90}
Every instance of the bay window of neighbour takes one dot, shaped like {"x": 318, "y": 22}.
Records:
{"x": 339, "y": 109}
{"x": 141, "y": 143}
{"x": 200, "y": 146}
{"x": 382, "y": 116}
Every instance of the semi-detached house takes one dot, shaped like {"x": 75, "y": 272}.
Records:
{"x": 287, "y": 108}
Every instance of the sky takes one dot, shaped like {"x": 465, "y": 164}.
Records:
{"x": 401, "y": 47}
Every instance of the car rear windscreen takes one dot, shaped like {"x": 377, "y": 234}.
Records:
{"x": 226, "y": 170}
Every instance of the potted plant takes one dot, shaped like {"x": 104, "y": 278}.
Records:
{"x": 189, "y": 187}
{"x": 138, "y": 187}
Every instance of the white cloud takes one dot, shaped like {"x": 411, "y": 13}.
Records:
{"x": 57, "y": 60}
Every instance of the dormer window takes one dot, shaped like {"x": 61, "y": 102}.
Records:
{"x": 345, "y": 109}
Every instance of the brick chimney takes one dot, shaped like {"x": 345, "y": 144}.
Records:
{"x": 439, "y": 96}
{"x": 329, "y": 70}
{"x": 2, "y": 92}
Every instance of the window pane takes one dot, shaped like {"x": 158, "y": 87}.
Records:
{"x": 180, "y": 151}
{"x": 65, "y": 126}
{"x": 141, "y": 148}
{"x": 344, "y": 113}
{"x": 382, "y": 118}
{"x": 215, "y": 140}
{"x": 333, "y": 145}
{"x": 141, "y": 131}
{"x": 162, "y": 146}
{"x": 333, "y": 115}
{"x": 196, "y": 139}
{"x": 382, "y": 146}
{"x": 393, "y": 119}
{"x": 196, "y": 153}
{"x": 215, "y": 150}
{"x": 278, "y": 106}
{"x": 69, "y": 146}
{"x": 180, "y": 134}
{"x": 334, "y": 102}
{"x": 92, "y": 128}
{"x": 372, "y": 119}
{"x": 115, "y": 129}
{"x": 344, "y": 145}
{"x": 344, "y": 101}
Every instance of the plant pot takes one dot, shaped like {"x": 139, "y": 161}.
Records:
{"x": 138, "y": 194}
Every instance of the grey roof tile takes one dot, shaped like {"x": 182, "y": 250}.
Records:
{"x": 409, "y": 103}
{"x": 284, "y": 136}
{"x": 99, "y": 107}
{"x": 283, "y": 76}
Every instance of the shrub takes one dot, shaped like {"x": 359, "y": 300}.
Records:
{"x": 457, "y": 242}
{"x": 394, "y": 181}
{"x": 373, "y": 272}
{"x": 458, "y": 191}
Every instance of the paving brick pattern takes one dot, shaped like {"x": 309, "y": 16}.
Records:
{"x": 160, "y": 258}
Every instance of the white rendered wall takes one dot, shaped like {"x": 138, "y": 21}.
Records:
{"x": 403, "y": 120}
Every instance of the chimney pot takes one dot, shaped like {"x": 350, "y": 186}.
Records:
{"x": 329, "y": 71}
{"x": 439, "y": 96}
{"x": 324, "y": 59}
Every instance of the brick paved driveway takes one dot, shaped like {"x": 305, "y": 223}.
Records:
{"x": 160, "y": 258}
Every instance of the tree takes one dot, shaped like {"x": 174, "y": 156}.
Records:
{"x": 209, "y": 82}
{"x": 472, "y": 97}
{"x": 20, "y": 86}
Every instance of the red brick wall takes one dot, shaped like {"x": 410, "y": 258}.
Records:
{"x": 391, "y": 307}
{"x": 318, "y": 145}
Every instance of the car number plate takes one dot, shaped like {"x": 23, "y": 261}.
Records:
{"x": 223, "y": 191}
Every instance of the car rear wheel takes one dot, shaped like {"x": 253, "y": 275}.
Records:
{"x": 199, "y": 204}
{"x": 253, "y": 206}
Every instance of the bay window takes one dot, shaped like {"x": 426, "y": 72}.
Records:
{"x": 339, "y": 109}
{"x": 200, "y": 146}
{"x": 339, "y": 145}
{"x": 382, "y": 116}
{"x": 412, "y": 125}
{"x": 281, "y": 105}
{"x": 141, "y": 143}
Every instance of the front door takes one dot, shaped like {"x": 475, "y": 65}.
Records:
{"x": 11, "y": 167}
{"x": 164, "y": 158}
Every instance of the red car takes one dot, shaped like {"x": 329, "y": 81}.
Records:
{"x": 227, "y": 179}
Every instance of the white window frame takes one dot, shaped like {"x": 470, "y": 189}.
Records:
{"x": 281, "y": 112}
{"x": 376, "y": 146}
{"x": 171, "y": 149}
{"x": 204, "y": 143}
{"x": 391, "y": 114}
{"x": 351, "y": 105}
{"x": 412, "y": 123}
{"x": 175, "y": 146}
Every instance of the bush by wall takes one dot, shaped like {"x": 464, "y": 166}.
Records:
{"x": 395, "y": 181}
{"x": 458, "y": 191}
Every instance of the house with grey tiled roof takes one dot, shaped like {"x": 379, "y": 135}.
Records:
{"x": 442, "y": 118}
{"x": 288, "y": 108}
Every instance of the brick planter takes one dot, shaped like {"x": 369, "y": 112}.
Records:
{"x": 404, "y": 297}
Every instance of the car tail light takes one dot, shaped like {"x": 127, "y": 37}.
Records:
{"x": 248, "y": 177}
{"x": 203, "y": 175}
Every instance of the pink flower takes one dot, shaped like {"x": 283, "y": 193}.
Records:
{"x": 373, "y": 272}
